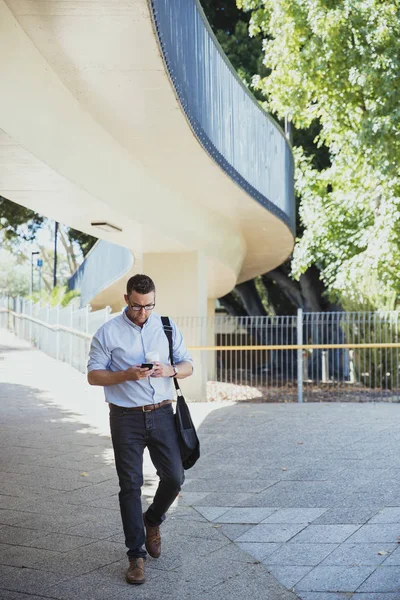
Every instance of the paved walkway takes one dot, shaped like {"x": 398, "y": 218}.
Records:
{"x": 303, "y": 497}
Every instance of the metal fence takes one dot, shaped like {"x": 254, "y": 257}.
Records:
{"x": 63, "y": 333}
{"x": 333, "y": 356}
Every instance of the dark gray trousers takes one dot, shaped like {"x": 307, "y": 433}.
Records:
{"x": 131, "y": 433}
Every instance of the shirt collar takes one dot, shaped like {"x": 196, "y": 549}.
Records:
{"x": 127, "y": 320}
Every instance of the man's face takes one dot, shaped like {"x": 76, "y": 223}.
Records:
{"x": 136, "y": 301}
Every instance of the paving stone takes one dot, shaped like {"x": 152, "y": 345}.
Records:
{"x": 21, "y": 556}
{"x": 27, "y": 580}
{"x": 288, "y": 576}
{"x": 374, "y": 596}
{"x": 384, "y": 579}
{"x": 227, "y": 485}
{"x": 192, "y": 498}
{"x": 185, "y": 513}
{"x": 110, "y": 502}
{"x": 394, "y": 559}
{"x": 159, "y": 584}
{"x": 177, "y": 550}
{"x": 51, "y": 523}
{"x": 217, "y": 499}
{"x": 325, "y": 534}
{"x": 386, "y": 515}
{"x": 212, "y": 512}
{"x": 94, "y": 529}
{"x": 234, "y": 531}
{"x": 17, "y": 536}
{"x": 11, "y": 517}
{"x": 67, "y": 564}
{"x": 103, "y": 551}
{"x": 194, "y": 529}
{"x": 88, "y": 587}
{"x": 350, "y": 554}
{"x": 300, "y": 554}
{"x": 244, "y": 515}
{"x": 326, "y": 596}
{"x": 297, "y": 494}
{"x": 384, "y": 532}
{"x": 259, "y": 550}
{"x": 59, "y": 542}
{"x": 334, "y": 579}
{"x": 248, "y": 585}
{"x": 271, "y": 533}
{"x": 9, "y": 595}
{"x": 295, "y": 515}
{"x": 343, "y": 516}
{"x": 214, "y": 570}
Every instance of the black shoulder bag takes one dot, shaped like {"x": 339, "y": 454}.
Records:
{"x": 188, "y": 441}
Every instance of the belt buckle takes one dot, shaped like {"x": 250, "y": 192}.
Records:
{"x": 143, "y": 409}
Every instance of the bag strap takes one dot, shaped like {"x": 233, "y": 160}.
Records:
{"x": 168, "y": 332}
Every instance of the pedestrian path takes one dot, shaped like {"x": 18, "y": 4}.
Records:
{"x": 60, "y": 528}
{"x": 288, "y": 501}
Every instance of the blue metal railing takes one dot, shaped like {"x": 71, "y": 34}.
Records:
{"x": 104, "y": 264}
{"x": 227, "y": 120}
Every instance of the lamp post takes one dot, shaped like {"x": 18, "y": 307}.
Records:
{"x": 31, "y": 286}
{"x": 55, "y": 254}
{"x": 39, "y": 264}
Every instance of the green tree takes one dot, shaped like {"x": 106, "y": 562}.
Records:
{"x": 336, "y": 65}
{"x": 18, "y": 222}
{"x": 58, "y": 296}
{"x": 19, "y": 226}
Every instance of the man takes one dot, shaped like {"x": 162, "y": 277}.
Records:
{"x": 141, "y": 413}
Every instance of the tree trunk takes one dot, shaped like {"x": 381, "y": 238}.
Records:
{"x": 287, "y": 286}
{"x": 251, "y": 298}
{"x": 232, "y": 305}
{"x": 72, "y": 262}
{"x": 312, "y": 289}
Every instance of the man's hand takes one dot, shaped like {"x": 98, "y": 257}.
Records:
{"x": 136, "y": 373}
{"x": 161, "y": 370}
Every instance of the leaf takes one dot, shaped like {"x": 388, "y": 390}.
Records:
{"x": 84, "y": 474}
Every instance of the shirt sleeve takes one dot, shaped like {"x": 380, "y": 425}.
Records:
{"x": 99, "y": 354}
{"x": 180, "y": 352}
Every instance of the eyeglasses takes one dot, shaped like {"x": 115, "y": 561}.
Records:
{"x": 138, "y": 307}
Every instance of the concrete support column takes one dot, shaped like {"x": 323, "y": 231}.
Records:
{"x": 211, "y": 341}
{"x": 181, "y": 293}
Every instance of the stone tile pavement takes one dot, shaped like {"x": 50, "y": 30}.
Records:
{"x": 60, "y": 527}
{"x": 288, "y": 501}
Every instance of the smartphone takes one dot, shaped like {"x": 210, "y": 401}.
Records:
{"x": 148, "y": 366}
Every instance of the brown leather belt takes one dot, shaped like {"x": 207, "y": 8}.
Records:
{"x": 149, "y": 407}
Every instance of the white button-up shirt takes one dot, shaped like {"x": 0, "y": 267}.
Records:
{"x": 120, "y": 344}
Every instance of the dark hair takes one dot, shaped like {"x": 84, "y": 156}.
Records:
{"x": 142, "y": 284}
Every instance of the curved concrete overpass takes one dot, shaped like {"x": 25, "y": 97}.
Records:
{"x": 128, "y": 113}
{"x": 101, "y": 278}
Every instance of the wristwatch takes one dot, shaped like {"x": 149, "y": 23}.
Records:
{"x": 175, "y": 371}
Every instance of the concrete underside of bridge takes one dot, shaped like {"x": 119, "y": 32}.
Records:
{"x": 91, "y": 130}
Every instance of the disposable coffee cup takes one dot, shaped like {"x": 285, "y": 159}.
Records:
{"x": 152, "y": 357}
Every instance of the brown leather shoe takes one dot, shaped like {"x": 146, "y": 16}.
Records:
{"x": 135, "y": 573}
{"x": 153, "y": 538}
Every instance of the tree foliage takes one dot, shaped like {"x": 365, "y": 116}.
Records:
{"x": 16, "y": 221}
{"x": 58, "y": 296}
{"x": 19, "y": 226}
{"x": 337, "y": 64}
